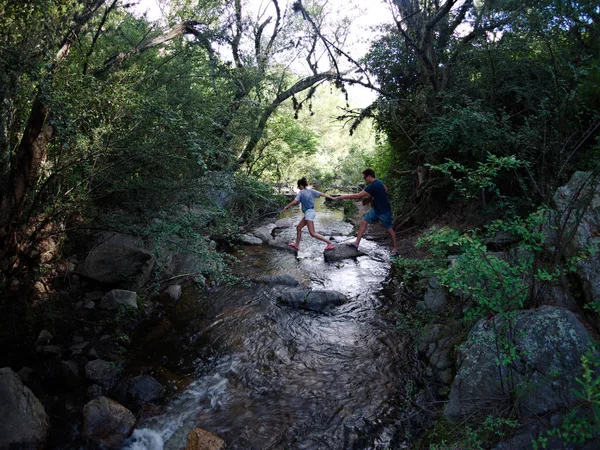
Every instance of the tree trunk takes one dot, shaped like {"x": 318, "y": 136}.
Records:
{"x": 24, "y": 173}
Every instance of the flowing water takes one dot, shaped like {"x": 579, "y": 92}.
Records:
{"x": 263, "y": 375}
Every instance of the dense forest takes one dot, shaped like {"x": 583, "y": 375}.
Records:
{"x": 182, "y": 133}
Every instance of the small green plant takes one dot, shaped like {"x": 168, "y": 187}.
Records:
{"x": 411, "y": 271}
{"x": 411, "y": 323}
{"x": 476, "y": 437}
{"x": 582, "y": 423}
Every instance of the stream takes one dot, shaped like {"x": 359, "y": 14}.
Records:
{"x": 263, "y": 375}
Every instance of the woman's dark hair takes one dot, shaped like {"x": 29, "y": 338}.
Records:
{"x": 302, "y": 182}
{"x": 369, "y": 173}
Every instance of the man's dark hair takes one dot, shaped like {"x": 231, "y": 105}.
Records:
{"x": 302, "y": 182}
{"x": 369, "y": 173}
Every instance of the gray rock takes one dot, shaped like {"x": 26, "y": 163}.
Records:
{"x": 550, "y": 342}
{"x": 250, "y": 240}
{"x": 88, "y": 304}
{"x": 264, "y": 233}
{"x": 342, "y": 251}
{"x": 281, "y": 279}
{"x": 118, "y": 297}
{"x": 173, "y": 291}
{"x": 24, "y": 422}
{"x": 437, "y": 347}
{"x": 101, "y": 372}
{"x": 555, "y": 295}
{"x": 124, "y": 265}
{"x": 106, "y": 422}
{"x": 44, "y": 338}
{"x": 286, "y": 222}
{"x": 435, "y": 297}
{"x": 574, "y": 226}
{"x": 578, "y": 210}
{"x": 313, "y": 300}
{"x": 143, "y": 389}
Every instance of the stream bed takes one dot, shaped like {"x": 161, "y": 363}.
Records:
{"x": 263, "y": 375}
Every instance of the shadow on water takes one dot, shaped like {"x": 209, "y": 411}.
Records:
{"x": 262, "y": 375}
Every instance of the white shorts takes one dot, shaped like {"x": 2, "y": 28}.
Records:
{"x": 309, "y": 214}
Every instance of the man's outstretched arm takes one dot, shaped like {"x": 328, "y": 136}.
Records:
{"x": 361, "y": 194}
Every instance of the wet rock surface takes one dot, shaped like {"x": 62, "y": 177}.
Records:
{"x": 107, "y": 422}
{"x": 313, "y": 300}
{"x": 342, "y": 251}
{"x": 199, "y": 439}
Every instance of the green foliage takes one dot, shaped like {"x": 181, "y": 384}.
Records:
{"x": 457, "y": 104}
{"x": 413, "y": 324}
{"x": 411, "y": 271}
{"x": 315, "y": 145}
{"x": 472, "y": 183}
{"x": 475, "y": 437}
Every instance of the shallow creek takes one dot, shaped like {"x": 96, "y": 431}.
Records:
{"x": 262, "y": 375}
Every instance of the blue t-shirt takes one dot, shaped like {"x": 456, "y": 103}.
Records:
{"x": 381, "y": 205}
{"x": 306, "y": 197}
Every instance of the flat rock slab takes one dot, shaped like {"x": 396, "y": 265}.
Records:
{"x": 313, "y": 300}
{"x": 342, "y": 251}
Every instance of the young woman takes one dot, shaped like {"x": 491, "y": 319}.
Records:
{"x": 306, "y": 198}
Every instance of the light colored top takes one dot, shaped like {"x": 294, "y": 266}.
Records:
{"x": 306, "y": 197}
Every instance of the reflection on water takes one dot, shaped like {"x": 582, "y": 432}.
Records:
{"x": 282, "y": 378}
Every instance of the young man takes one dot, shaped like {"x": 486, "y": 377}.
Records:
{"x": 380, "y": 212}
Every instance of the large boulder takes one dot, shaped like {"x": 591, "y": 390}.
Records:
{"x": 115, "y": 263}
{"x": 549, "y": 342}
{"x": 23, "y": 420}
{"x": 107, "y": 422}
{"x": 342, "y": 251}
{"x": 199, "y": 439}
{"x": 578, "y": 210}
{"x": 576, "y": 226}
{"x": 313, "y": 300}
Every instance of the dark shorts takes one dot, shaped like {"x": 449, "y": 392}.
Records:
{"x": 385, "y": 218}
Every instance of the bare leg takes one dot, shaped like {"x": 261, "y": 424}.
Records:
{"x": 311, "y": 230}
{"x": 301, "y": 225}
{"x": 361, "y": 231}
{"x": 392, "y": 234}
